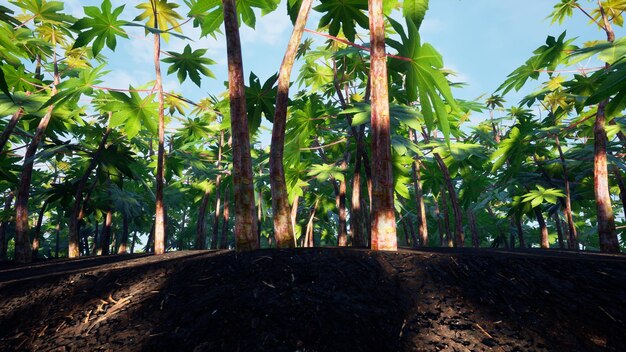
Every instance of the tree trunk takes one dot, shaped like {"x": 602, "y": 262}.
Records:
{"x": 283, "y": 232}
{"x": 621, "y": 185}
{"x": 559, "y": 230}
{"x": 201, "y": 224}
{"x": 356, "y": 212}
{"x": 473, "y": 229}
{"x": 440, "y": 226}
{"x": 132, "y": 242}
{"x": 419, "y": 197}
{"x": 459, "y": 236}
{"x": 8, "y": 129}
{"x": 226, "y": 218}
{"x": 123, "y": 248}
{"x": 342, "y": 238}
{"x": 446, "y": 218}
{"x": 293, "y": 215}
{"x": 57, "y": 233}
{"x": 383, "y": 216}
{"x": 74, "y": 227}
{"x": 218, "y": 197}
{"x": 414, "y": 239}
{"x": 405, "y": 231}
{"x": 606, "y": 219}
{"x": 23, "y": 253}
{"x": 571, "y": 227}
{"x": 106, "y": 232}
{"x": 159, "y": 225}
{"x": 96, "y": 241}
{"x": 545, "y": 242}
{"x": 3, "y": 227}
{"x": 308, "y": 241}
{"x": 259, "y": 209}
{"x": 520, "y": 231}
{"x": 243, "y": 185}
{"x": 37, "y": 234}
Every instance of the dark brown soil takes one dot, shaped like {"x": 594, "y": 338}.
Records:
{"x": 318, "y": 300}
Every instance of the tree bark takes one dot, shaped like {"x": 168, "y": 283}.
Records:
{"x": 419, "y": 197}
{"x": 571, "y": 227}
{"x": 218, "y": 197}
{"x": 606, "y": 219}
{"x": 446, "y": 219}
{"x": 57, "y": 233}
{"x": 159, "y": 225}
{"x": 545, "y": 241}
{"x": 342, "y": 238}
{"x": 520, "y": 231}
{"x": 243, "y": 185}
{"x": 226, "y": 218}
{"x": 3, "y": 227}
{"x": 308, "y": 240}
{"x": 440, "y": 227}
{"x": 559, "y": 230}
{"x": 283, "y": 231}
{"x": 473, "y": 229}
{"x": 383, "y": 216}
{"x": 294, "y": 213}
{"x": 357, "y": 213}
{"x": 123, "y": 248}
{"x": 459, "y": 236}
{"x": 75, "y": 218}
{"x": 96, "y": 241}
{"x": 8, "y": 129}
{"x": 201, "y": 224}
{"x": 36, "y": 242}
{"x": 106, "y": 232}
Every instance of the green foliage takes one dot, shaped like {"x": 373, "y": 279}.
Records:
{"x": 160, "y": 14}
{"x": 132, "y": 112}
{"x": 541, "y": 195}
{"x": 102, "y": 26}
{"x": 260, "y": 99}
{"x": 343, "y": 16}
{"x": 189, "y": 63}
{"x": 415, "y": 10}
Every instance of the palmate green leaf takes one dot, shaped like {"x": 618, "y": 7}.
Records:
{"x": 547, "y": 57}
{"x": 323, "y": 172}
{"x": 45, "y": 11}
{"x": 192, "y": 63}
{"x": 343, "y": 15}
{"x": 209, "y": 16}
{"x": 614, "y": 10}
{"x": 71, "y": 89}
{"x": 424, "y": 78}
{"x": 132, "y": 112}
{"x": 606, "y": 51}
{"x": 102, "y": 26}
{"x": 541, "y": 195}
{"x": 260, "y": 100}
{"x": 415, "y": 10}
{"x": 166, "y": 16}
{"x": 6, "y": 16}
{"x": 563, "y": 10}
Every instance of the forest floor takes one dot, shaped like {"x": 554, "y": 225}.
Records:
{"x": 318, "y": 300}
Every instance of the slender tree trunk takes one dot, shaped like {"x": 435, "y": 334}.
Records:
{"x": 520, "y": 231}
{"x": 414, "y": 239}
{"x": 150, "y": 244}
{"x": 106, "y": 233}
{"x": 259, "y": 209}
{"x": 57, "y": 233}
{"x": 622, "y": 186}
{"x": 405, "y": 231}
{"x": 159, "y": 227}
{"x": 23, "y": 253}
{"x": 501, "y": 235}
{"x": 559, "y": 230}
{"x": 383, "y": 216}
{"x": 342, "y": 239}
{"x": 356, "y": 212}
{"x": 37, "y": 234}
{"x": 419, "y": 197}
{"x": 226, "y": 218}
{"x": 440, "y": 226}
{"x": 181, "y": 236}
{"x": 132, "y": 242}
{"x": 283, "y": 232}
{"x": 3, "y": 227}
{"x": 446, "y": 219}
{"x": 459, "y": 236}
{"x": 243, "y": 185}
{"x": 473, "y": 229}
{"x": 545, "y": 243}
{"x": 308, "y": 241}
{"x": 96, "y": 241}
{"x": 123, "y": 248}
{"x": 571, "y": 227}
{"x": 8, "y": 129}
{"x": 606, "y": 219}
{"x": 75, "y": 218}
{"x": 293, "y": 215}
{"x": 218, "y": 197}
{"x": 201, "y": 224}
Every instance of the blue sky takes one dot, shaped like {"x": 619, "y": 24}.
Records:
{"x": 481, "y": 40}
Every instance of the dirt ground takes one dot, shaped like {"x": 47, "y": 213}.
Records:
{"x": 318, "y": 300}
